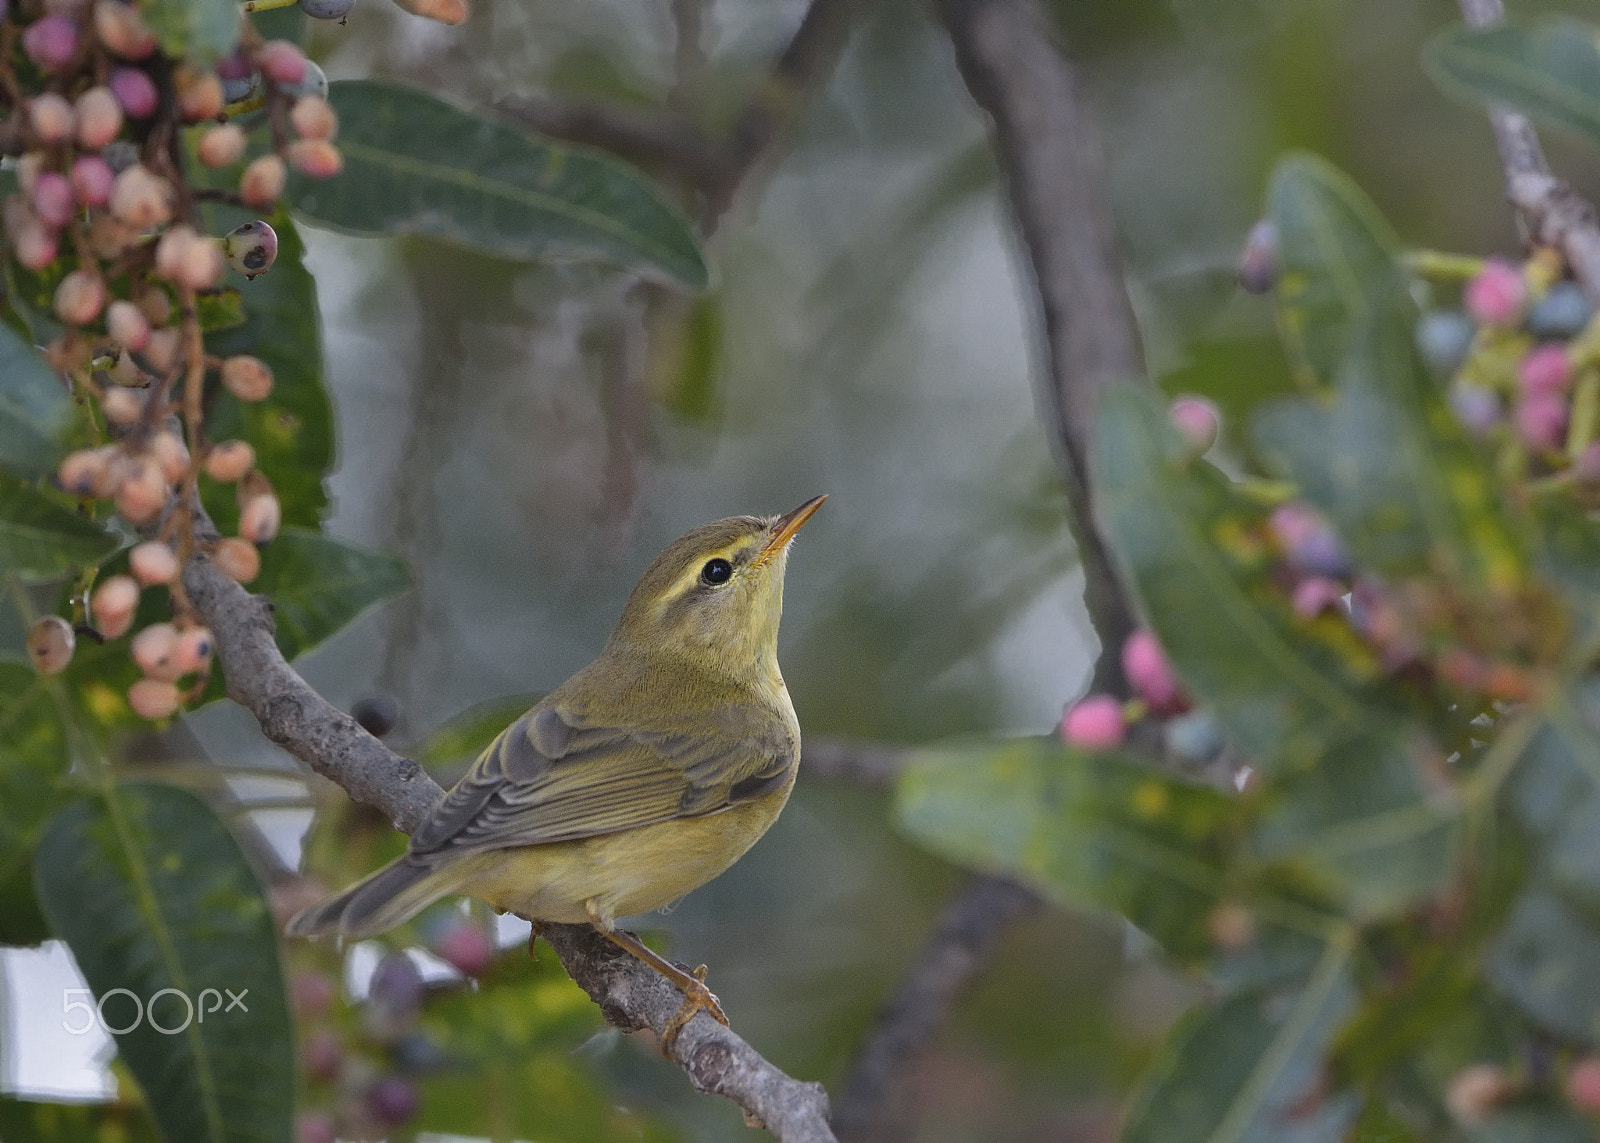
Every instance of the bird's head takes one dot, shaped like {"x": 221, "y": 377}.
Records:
{"x": 715, "y": 594}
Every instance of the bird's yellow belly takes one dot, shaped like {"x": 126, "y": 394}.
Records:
{"x": 624, "y": 873}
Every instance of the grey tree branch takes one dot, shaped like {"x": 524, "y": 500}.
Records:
{"x": 1050, "y": 157}
{"x": 631, "y": 995}
{"x": 1552, "y": 213}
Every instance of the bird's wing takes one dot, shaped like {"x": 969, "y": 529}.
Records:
{"x": 550, "y": 776}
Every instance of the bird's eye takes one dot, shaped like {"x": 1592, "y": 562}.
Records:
{"x": 717, "y": 571}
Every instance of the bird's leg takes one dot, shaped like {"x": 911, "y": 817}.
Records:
{"x": 696, "y": 996}
{"x": 533, "y": 937}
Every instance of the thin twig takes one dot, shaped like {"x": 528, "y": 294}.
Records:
{"x": 1552, "y": 213}
{"x": 1050, "y": 156}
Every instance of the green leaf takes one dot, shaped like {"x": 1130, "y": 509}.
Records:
{"x": 1089, "y": 830}
{"x": 317, "y": 584}
{"x": 24, "y": 1121}
{"x": 1550, "y": 1123}
{"x": 1555, "y": 793}
{"x": 1548, "y": 961}
{"x": 33, "y": 760}
{"x": 292, "y": 430}
{"x": 152, "y": 893}
{"x": 414, "y": 164}
{"x": 35, "y": 411}
{"x": 1249, "y": 1070}
{"x": 1186, "y": 542}
{"x": 201, "y": 31}
{"x": 1336, "y": 264}
{"x": 40, "y": 539}
{"x": 220, "y": 309}
{"x": 1549, "y": 70}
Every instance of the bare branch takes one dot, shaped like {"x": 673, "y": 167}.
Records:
{"x": 631, "y": 995}
{"x": 1050, "y": 155}
{"x": 1552, "y": 213}
{"x": 872, "y": 1107}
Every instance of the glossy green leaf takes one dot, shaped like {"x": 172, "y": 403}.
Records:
{"x": 202, "y": 31}
{"x": 1184, "y": 539}
{"x": 1549, "y": 70}
{"x": 292, "y": 430}
{"x": 1548, "y": 962}
{"x": 33, "y": 760}
{"x": 318, "y": 584}
{"x": 1089, "y": 830}
{"x": 1336, "y": 265}
{"x": 41, "y": 538}
{"x": 1249, "y": 1070}
{"x": 415, "y": 164}
{"x": 154, "y": 896}
{"x": 35, "y": 411}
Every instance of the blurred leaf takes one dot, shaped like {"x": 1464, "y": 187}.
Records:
{"x": 33, "y": 760}
{"x": 1186, "y": 541}
{"x": 1386, "y": 461}
{"x": 202, "y": 31}
{"x": 466, "y": 735}
{"x": 416, "y": 165}
{"x": 35, "y": 411}
{"x": 318, "y": 584}
{"x": 1364, "y": 825}
{"x": 41, "y": 539}
{"x": 1336, "y": 264}
{"x": 1549, "y": 70}
{"x": 1089, "y": 830}
{"x": 1550, "y": 1123}
{"x": 1249, "y": 1070}
{"x": 152, "y": 893}
{"x": 220, "y": 309}
{"x": 687, "y": 360}
{"x": 1548, "y": 961}
{"x": 1555, "y": 793}
{"x": 25, "y": 1121}
{"x": 292, "y": 430}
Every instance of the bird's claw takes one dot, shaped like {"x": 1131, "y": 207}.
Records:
{"x": 696, "y": 998}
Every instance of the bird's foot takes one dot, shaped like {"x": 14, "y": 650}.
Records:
{"x": 696, "y": 998}
{"x": 533, "y": 938}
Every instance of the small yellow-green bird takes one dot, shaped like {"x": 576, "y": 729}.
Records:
{"x": 642, "y": 777}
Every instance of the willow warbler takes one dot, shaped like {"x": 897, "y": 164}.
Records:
{"x": 640, "y": 778}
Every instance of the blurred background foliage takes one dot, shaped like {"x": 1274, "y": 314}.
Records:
{"x": 526, "y": 437}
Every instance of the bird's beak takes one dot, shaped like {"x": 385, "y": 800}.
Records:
{"x": 784, "y": 528}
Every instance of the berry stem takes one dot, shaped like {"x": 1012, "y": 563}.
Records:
{"x": 1440, "y": 264}
{"x": 266, "y": 5}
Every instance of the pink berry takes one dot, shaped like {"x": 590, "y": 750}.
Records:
{"x": 221, "y": 146}
{"x": 281, "y": 62}
{"x": 1147, "y": 668}
{"x": 50, "y": 644}
{"x": 171, "y": 455}
{"x": 153, "y": 562}
{"x": 92, "y": 179}
{"x": 153, "y": 699}
{"x": 323, "y": 1056}
{"x": 199, "y": 94}
{"x": 99, "y": 118}
{"x": 161, "y": 351}
{"x": 141, "y": 199}
{"x": 393, "y": 1101}
{"x": 259, "y": 518}
{"x": 51, "y": 42}
{"x": 51, "y": 118}
{"x": 237, "y": 559}
{"x": 467, "y": 947}
{"x": 142, "y": 492}
{"x": 80, "y": 297}
{"x": 1582, "y": 1085}
{"x": 316, "y": 1126}
{"x": 89, "y": 473}
{"x": 113, "y": 604}
{"x": 1496, "y": 296}
{"x": 121, "y": 407}
{"x": 53, "y": 200}
{"x": 229, "y": 460}
{"x": 127, "y": 326}
{"x": 1541, "y": 419}
{"x": 235, "y": 67}
{"x": 1474, "y": 1092}
{"x": 251, "y": 248}
{"x": 152, "y": 651}
{"x": 193, "y": 649}
{"x": 203, "y": 265}
{"x": 315, "y": 158}
{"x": 1094, "y": 723}
{"x": 35, "y": 245}
{"x": 1547, "y": 369}
{"x": 1316, "y": 594}
{"x": 1196, "y": 419}
{"x": 313, "y": 117}
{"x": 262, "y": 182}
{"x": 135, "y": 91}
{"x": 122, "y": 29}
{"x": 247, "y": 378}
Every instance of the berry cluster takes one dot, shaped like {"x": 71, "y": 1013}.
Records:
{"x": 368, "y": 1073}
{"x": 105, "y": 131}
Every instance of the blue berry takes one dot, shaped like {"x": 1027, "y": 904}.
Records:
{"x": 238, "y": 90}
{"x": 1561, "y": 313}
{"x": 1194, "y": 737}
{"x": 327, "y": 9}
{"x": 1443, "y": 338}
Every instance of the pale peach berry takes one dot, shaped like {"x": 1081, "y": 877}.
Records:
{"x": 153, "y": 699}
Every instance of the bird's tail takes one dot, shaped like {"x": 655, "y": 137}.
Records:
{"x": 389, "y": 897}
